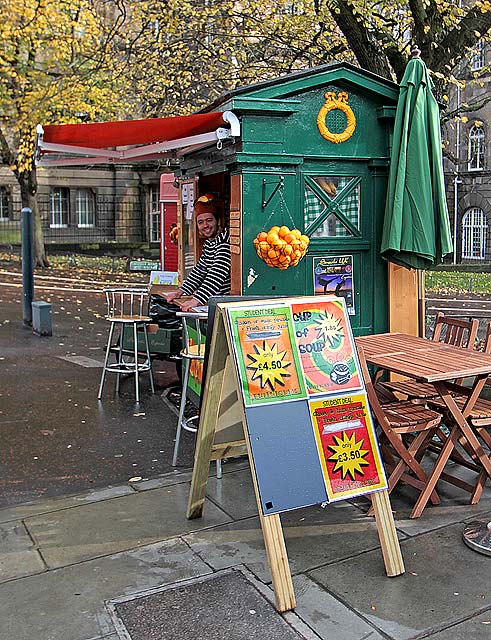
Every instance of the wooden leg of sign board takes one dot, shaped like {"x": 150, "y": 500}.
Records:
{"x": 209, "y": 418}
{"x": 220, "y": 350}
{"x": 391, "y": 551}
{"x": 274, "y": 540}
{"x": 274, "y": 543}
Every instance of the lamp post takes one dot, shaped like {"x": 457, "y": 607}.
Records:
{"x": 27, "y": 266}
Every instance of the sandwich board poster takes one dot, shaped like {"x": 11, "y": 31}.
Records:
{"x": 317, "y": 424}
{"x": 333, "y": 275}
{"x": 326, "y": 347}
{"x": 266, "y": 354}
{"x": 347, "y": 446}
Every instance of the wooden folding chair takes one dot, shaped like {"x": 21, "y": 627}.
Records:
{"x": 479, "y": 418}
{"x": 405, "y": 429}
{"x": 447, "y": 329}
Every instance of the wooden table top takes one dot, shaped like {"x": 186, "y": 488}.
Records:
{"x": 422, "y": 359}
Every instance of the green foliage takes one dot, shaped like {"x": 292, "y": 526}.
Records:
{"x": 57, "y": 64}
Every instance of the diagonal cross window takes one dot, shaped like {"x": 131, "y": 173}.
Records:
{"x": 332, "y": 206}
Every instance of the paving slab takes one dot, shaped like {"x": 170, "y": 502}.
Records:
{"x": 101, "y": 528}
{"x": 444, "y": 583}
{"x": 224, "y": 606}
{"x": 314, "y": 536}
{"x": 18, "y": 555}
{"x": 234, "y": 494}
{"x": 454, "y": 505}
{"x": 442, "y": 516}
{"x": 68, "y": 603}
{"x": 327, "y": 616}
{"x": 29, "y": 509}
{"x": 477, "y": 628}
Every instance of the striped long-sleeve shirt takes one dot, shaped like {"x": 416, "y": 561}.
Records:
{"x": 211, "y": 275}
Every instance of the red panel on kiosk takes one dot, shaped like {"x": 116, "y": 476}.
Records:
{"x": 168, "y": 212}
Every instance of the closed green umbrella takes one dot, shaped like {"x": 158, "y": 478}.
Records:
{"x": 416, "y": 231}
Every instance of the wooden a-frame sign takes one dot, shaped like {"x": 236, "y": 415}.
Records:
{"x": 225, "y": 431}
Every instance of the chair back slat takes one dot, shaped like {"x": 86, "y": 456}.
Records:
{"x": 121, "y": 302}
{"x": 487, "y": 340}
{"x": 370, "y": 389}
{"x": 454, "y": 331}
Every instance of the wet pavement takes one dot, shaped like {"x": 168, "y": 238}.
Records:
{"x": 96, "y": 544}
{"x": 57, "y": 438}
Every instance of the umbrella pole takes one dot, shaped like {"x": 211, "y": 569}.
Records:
{"x": 421, "y": 304}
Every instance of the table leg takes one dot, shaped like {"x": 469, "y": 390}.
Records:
{"x": 479, "y": 486}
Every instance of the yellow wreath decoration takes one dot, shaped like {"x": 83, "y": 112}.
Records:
{"x": 340, "y": 102}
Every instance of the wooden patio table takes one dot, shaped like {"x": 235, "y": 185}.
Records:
{"x": 438, "y": 364}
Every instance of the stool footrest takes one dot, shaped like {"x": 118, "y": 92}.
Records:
{"x": 127, "y": 367}
{"x": 187, "y": 426}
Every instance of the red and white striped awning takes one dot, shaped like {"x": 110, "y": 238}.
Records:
{"x": 131, "y": 140}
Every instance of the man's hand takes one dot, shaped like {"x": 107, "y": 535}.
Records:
{"x": 174, "y": 294}
{"x": 190, "y": 304}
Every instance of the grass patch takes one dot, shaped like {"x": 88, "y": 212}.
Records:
{"x": 437, "y": 282}
{"x": 451, "y": 282}
{"x": 97, "y": 264}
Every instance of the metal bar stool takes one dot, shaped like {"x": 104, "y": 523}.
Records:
{"x": 192, "y": 352}
{"x": 125, "y": 309}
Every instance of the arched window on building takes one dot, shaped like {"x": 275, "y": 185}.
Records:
{"x": 476, "y": 148}
{"x": 474, "y": 233}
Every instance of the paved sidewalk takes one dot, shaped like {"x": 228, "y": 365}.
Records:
{"x": 66, "y": 564}
{"x": 89, "y": 553}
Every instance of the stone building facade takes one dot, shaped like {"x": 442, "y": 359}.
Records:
{"x": 104, "y": 206}
{"x": 468, "y": 160}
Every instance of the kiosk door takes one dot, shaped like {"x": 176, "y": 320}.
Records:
{"x": 341, "y": 209}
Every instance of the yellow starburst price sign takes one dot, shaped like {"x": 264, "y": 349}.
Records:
{"x": 347, "y": 446}
{"x": 265, "y": 351}
{"x": 269, "y": 365}
{"x": 348, "y": 455}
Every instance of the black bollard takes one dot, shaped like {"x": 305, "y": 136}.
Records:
{"x": 27, "y": 266}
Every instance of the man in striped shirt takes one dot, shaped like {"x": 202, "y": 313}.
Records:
{"x": 211, "y": 275}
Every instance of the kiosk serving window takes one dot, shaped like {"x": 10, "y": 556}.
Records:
{"x": 332, "y": 206}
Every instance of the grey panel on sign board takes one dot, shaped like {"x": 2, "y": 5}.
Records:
{"x": 288, "y": 470}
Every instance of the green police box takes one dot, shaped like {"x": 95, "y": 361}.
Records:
{"x": 313, "y": 154}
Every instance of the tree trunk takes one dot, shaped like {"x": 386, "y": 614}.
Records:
{"x": 28, "y": 190}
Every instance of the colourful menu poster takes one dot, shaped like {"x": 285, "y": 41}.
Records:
{"x": 333, "y": 275}
{"x": 347, "y": 446}
{"x": 326, "y": 347}
{"x": 266, "y": 355}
